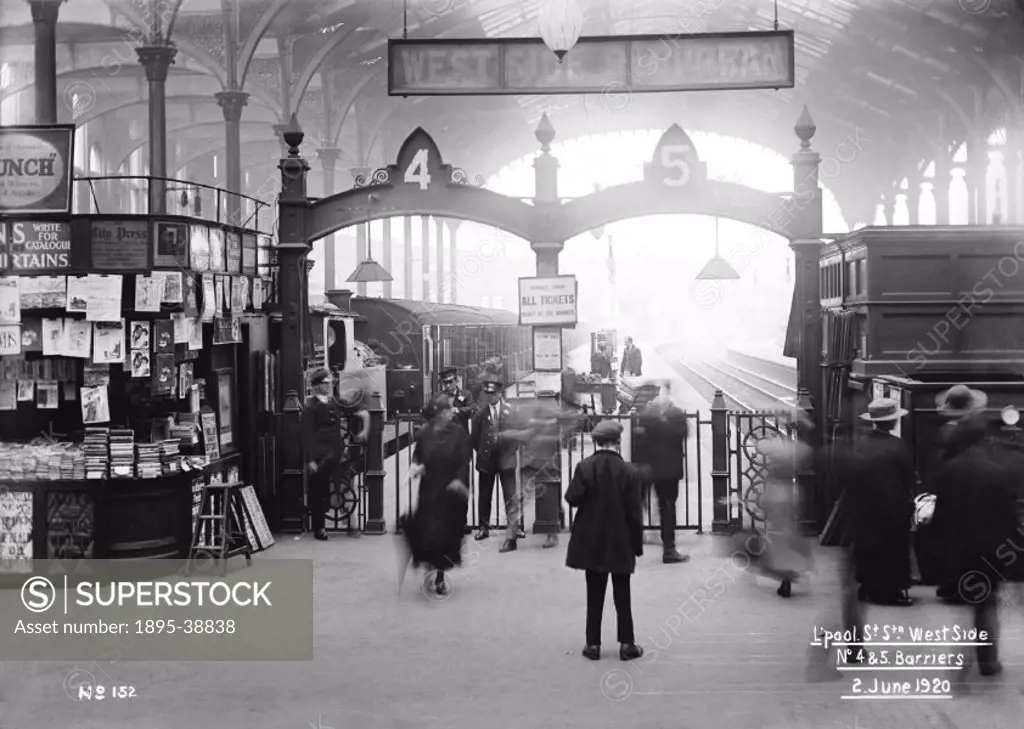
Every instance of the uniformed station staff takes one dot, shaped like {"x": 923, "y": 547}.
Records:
{"x": 325, "y": 419}
{"x": 461, "y": 400}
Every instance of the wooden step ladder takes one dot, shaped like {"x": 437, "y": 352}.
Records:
{"x": 221, "y": 526}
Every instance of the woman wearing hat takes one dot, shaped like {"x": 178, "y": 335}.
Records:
{"x": 441, "y": 458}
{"x": 607, "y": 536}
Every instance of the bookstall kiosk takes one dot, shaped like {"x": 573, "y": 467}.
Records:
{"x": 119, "y": 381}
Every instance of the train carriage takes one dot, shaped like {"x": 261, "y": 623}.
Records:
{"x": 416, "y": 339}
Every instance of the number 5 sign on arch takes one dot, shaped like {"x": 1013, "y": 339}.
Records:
{"x": 673, "y": 161}
{"x": 418, "y": 171}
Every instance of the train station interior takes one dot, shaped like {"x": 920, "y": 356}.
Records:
{"x": 251, "y": 249}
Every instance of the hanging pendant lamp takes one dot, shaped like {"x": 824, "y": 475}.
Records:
{"x": 369, "y": 271}
{"x": 717, "y": 269}
{"x": 560, "y": 23}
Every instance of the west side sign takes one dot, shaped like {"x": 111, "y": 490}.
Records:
{"x": 637, "y": 64}
{"x": 549, "y": 301}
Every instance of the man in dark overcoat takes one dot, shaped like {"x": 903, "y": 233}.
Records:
{"x": 662, "y": 430}
{"x": 323, "y": 418}
{"x": 975, "y": 511}
{"x": 495, "y": 458}
{"x": 607, "y": 536}
{"x": 601, "y": 362}
{"x": 632, "y": 360}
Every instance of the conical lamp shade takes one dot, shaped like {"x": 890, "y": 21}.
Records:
{"x": 718, "y": 269}
{"x": 369, "y": 271}
{"x": 560, "y": 23}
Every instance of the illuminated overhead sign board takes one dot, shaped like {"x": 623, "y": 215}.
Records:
{"x": 637, "y": 64}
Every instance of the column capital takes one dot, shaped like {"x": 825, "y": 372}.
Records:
{"x": 453, "y": 225}
{"x": 45, "y": 11}
{"x": 231, "y": 103}
{"x": 328, "y": 156}
{"x": 156, "y": 59}
{"x": 547, "y": 246}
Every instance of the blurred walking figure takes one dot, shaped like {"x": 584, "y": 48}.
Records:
{"x": 661, "y": 435}
{"x": 632, "y": 360}
{"x": 542, "y": 427}
{"x": 786, "y": 553}
{"x": 975, "y": 513}
{"x": 434, "y": 531}
{"x": 607, "y": 536}
{"x": 872, "y": 516}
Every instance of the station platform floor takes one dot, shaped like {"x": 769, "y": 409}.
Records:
{"x": 503, "y": 650}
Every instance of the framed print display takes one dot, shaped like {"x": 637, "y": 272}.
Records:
{"x": 199, "y": 247}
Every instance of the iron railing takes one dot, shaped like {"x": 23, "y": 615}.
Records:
{"x": 149, "y": 195}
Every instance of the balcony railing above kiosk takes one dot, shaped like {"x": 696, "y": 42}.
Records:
{"x": 148, "y": 195}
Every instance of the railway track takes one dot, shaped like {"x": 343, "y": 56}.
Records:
{"x": 782, "y": 373}
{"x": 779, "y": 393}
{"x": 743, "y": 390}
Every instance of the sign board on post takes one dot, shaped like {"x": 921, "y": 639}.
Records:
{"x": 547, "y": 349}
{"x": 35, "y": 246}
{"x": 119, "y": 245}
{"x": 36, "y": 164}
{"x": 599, "y": 65}
{"x": 548, "y": 301}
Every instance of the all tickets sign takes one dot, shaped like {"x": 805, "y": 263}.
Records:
{"x": 550, "y": 301}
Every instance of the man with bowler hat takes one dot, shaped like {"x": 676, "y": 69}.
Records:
{"x": 322, "y": 420}
{"x": 495, "y": 457}
{"x": 461, "y": 400}
{"x": 607, "y": 536}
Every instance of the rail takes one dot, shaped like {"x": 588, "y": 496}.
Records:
{"x": 149, "y": 195}
{"x": 784, "y": 373}
{"x": 787, "y": 398}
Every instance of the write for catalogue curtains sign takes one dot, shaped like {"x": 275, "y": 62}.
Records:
{"x": 35, "y": 246}
{"x": 119, "y": 245}
{"x": 36, "y": 164}
{"x": 637, "y": 64}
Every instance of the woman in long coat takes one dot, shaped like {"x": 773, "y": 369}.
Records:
{"x": 441, "y": 456}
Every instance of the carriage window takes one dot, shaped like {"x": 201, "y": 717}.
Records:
{"x": 446, "y": 352}
{"x": 862, "y": 281}
{"x": 851, "y": 278}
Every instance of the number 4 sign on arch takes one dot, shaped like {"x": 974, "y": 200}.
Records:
{"x": 418, "y": 171}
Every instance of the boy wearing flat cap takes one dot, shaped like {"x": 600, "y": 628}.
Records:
{"x": 461, "y": 400}
{"x": 322, "y": 421}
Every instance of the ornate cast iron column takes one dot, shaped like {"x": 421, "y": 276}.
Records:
{"x": 407, "y": 256}
{"x": 545, "y": 173}
{"x": 425, "y": 257}
{"x": 292, "y": 252}
{"x": 156, "y": 59}
{"x": 386, "y": 262}
{"x": 439, "y": 254}
{"x": 375, "y": 473}
{"x": 453, "y": 234}
{"x": 1012, "y": 163}
{"x": 357, "y": 173}
{"x": 328, "y": 161}
{"x": 232, "y": 103}
{"x": 806, "y": 245}
{"x": 940, "y": 186}
{"x": 44, "y": 20}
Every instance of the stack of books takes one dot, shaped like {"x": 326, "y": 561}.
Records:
{"x": 147, "y": 460}
{"x": 186, "y": 430}
{"x": 122, "y": 453}
{"x": 97, "y": 452}
{"x": 170, "y": 455}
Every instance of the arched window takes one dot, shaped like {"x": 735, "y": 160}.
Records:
{"x": 6, "y": 75}
{"x": 95, "y": 161}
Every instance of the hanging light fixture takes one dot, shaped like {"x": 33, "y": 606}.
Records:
{"x": 369, "y": 270}
{"x": 717, "y": 269}
{"x": 560, "y": 23}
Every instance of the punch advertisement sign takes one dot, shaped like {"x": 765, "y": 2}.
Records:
{"x": 36, "y": 165}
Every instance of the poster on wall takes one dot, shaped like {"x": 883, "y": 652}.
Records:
{"x": 35, "y": 246}
{"x": 216, "y": 249}
{"x": 170, "y": 244}
{"x": 547, "y": 350}
{"x": 36, "y": 163}
{"x": 199, "y": 247}
{"x": 233, "y": 251}
{"x": 16, "y": 536}
{"x": 119, "y": 245}
{"x": 248, "y": 254}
